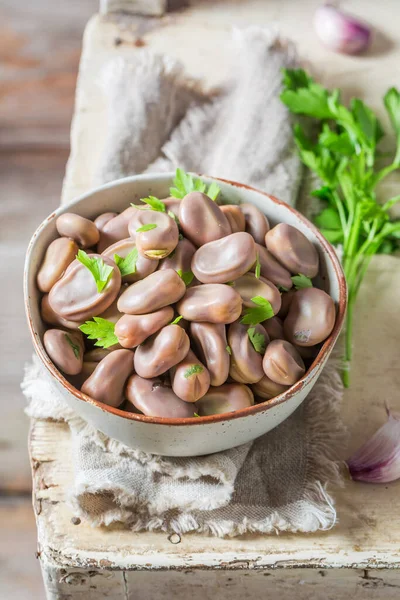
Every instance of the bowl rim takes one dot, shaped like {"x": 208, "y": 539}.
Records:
{"x": 251, "y": 410}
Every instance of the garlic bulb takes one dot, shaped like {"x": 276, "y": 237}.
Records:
{"x": 378, "y": 460}
{"x": 339, "y": 31}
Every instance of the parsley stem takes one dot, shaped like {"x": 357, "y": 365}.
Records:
{"x": 386, "y": 171}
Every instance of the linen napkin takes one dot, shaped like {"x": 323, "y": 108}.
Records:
{"x": 159, "y": 119}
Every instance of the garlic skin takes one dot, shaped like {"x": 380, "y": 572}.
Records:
{"x": 340, "y": 31}
{"x": 378, "y": 460}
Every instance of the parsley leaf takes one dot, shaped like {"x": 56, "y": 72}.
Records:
{"x": 186, "y": 276}
{"x": 257, "y": 339}
{"x": 259, "y": 313}
{"x": 127, "y": 265}
{"x": 193, "y": 370}
{"x": 184, "y": 184}
{"x": 176, "y": 321}
{"x": 196, "y": 415}
{"x": 392, "y": 105}
{"x": 229, "y": 350}
{"x": 98, "y": 268}
{"x": 154, "y": 203}
{"x": 147, "y": 227}
{"x": 301, "y": 281}
{"x": 101, "y": 330}
{"x": 258, "y": 267}
{"x": 74, "y": 347}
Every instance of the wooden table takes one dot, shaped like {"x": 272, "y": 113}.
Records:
{"x": 360, "y": 558}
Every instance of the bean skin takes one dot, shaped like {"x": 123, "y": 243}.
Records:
{"x": 181, "y": 258}
{"x": 103, "y": 219}
{"x": 282, "y": 363}
{"x": 286, "y": 299}
{"x": 107, "y": 382}
{"x": 155, "y": 243}
{"x": 201, "y": 219}
{"x": 235, "y": 217}
{"x": 154, "y": 398}
{"x": 159, "y": 289}
{"x": 225, "y": 259}
{"x": 144, "y": 266}
{"x": 225, "y": 399}
{"x": 75, "y": 296}
{"x": 172, "y": 204}
{"x": 248, "y": 286}
{"x": 213, "y": 303}
{"x": 132, "y": 330}
{"x": 52, "y": 318}
{"x": 59, "y": 255}
{"x": 83, "y": 231}
{"x": 293, "y": 250}
{"x": 161, "y": 351}
{"x": 256, "y": 222}
{"x": 274, "y": 328}
{"x": 246, "y": 363}
{"x": 272, "y": 270}
{"x": 59, "y": 346}
{"x": 267, "y": 389}
{"x": 311, "y": 317}
{"x": 116, "y": 229}
{"x": 190, "y": 386}
{"x": 211, "y": 346}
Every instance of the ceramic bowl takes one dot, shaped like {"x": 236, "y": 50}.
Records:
{"x": 195, "y": 436}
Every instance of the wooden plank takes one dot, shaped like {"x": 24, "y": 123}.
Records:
{"x": 30, "y": 185}
{"x": 20, "y": 576}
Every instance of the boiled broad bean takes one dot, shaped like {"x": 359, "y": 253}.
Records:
{"x": 235, "y": 217}
{"x": 143, "y": 266}
{"x": 286, "y": 299}
{"x": 249, "y": 286}
{"x": 282, "y": 363}
{"x": 116, "y": 229}
{"x": 272, "y": 270}
{"x": 201, "y": 219}
{"x": 132, "y": 330}
{"x": 225, "y": 399}
{"x": 180, "y": 258}
{"x": 213, "y": 303}
{"x": 59, "y": 255}
{"x": 161, "y": 351}
{"x": 103, "y": 219}
{"x": 246, "y": 362}
{"x": 158, "y": 242}
{"x": 292, "y": 249}
{"x": 225, "y": 259}
{"x": 256, "y": 222}
{"x": 107, "y": 382}
{"x": 274, "y": 328}
{"x": 211, "y": 346}
{"x": 52, "y": 318}
{"x": 75, "y": 296}
{"x": 65, "y": 349}
{"x": 267, "y": 389}
{"x": 190, "y": 378}
{"x": 157, "y": 290}
{"x": 83, "y": 231}
{"x": 172, "y": 204}
{"x": 154, "y": 398}
{"x": 311, "y": 317}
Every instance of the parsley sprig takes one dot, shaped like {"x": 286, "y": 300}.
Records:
{"x": 257, "y": 340}
{"x": 184, "y": 183}
{"x": 259, "y": 313}
{"x": 101, "y": 330}
{"x": 98, "y": 268}
{"x": 343, "y": 152}
{"x": 300, "y": 281}
{"x": 75, "y": 348}
{"x": 186, "y": 276}
{"x": 127, "y": 265}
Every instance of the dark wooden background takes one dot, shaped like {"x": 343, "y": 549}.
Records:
{"x": 40, "y": 44}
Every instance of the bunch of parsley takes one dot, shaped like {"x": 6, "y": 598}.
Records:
{"x": 343, "y": 153}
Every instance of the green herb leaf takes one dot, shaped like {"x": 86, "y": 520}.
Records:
{"x": 98, "y": 268}
{"x": 127, "y": 265}
{"x": 258, "y": 314}
{"x": 196, "y": 415}
{"x": 76, "y": 349}
{"x": 303, "y": 96}
{"x": 147, "y": 227}
{"x": 173, "y": 216}
{"x": 193, "y": 370}
{"x": 257, "y": 339}
{"x": 231, "y": 283}
{"x": 328, "y": 219}
{"x": 258, "y": 267}
{"x": 334, "y": 236}
{"x": 187, "y": 276}
{"x": 392, "y": 105}
{"x": 229, "y": 350}
{"x": 213, "y": 191}
{"x": 101, "y": 330}
{"x": 154, "y": 203}
{"x": 301, "y": 281}
{"x": 176, "y": 321}
{"x": 282, "y": 288}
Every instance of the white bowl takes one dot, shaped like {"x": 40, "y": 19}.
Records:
{"x": 195, "y": 436}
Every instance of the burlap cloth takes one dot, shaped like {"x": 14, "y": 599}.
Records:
{"x": 159, "y": 119}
